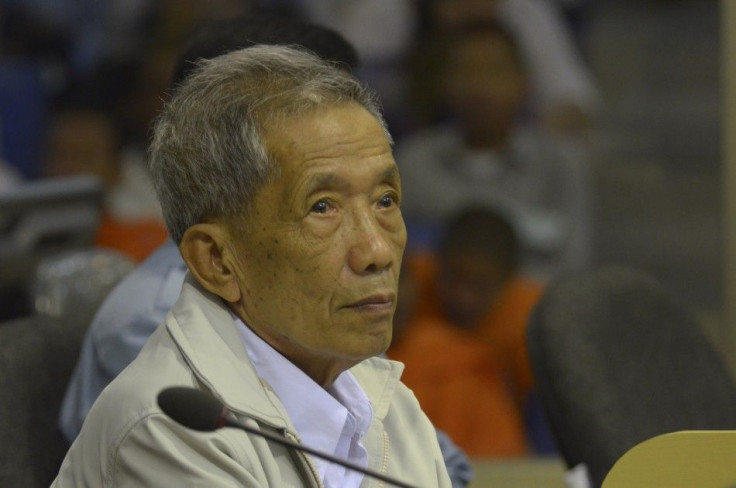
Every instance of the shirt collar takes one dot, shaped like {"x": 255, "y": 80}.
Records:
{"x": 324, "y": 419}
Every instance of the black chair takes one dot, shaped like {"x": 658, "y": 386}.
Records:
{"x": 37, "y": 356}
{"x": 617, "y": 361}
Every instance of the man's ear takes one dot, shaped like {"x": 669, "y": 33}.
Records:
{"x": 205, "y": 249}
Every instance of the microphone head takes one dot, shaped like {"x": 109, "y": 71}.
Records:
{"x": 192, "y": 408}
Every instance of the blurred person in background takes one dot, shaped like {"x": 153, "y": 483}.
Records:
{"x": 487, "y": 154}
{"x": 461, "y": 334}
{"x": 563, "y": 96}
{"x": 46, "y": 47}
{"x": 382, "y": 32}
{"x": 84, "y": 139}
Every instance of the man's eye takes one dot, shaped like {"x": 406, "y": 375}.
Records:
{"x": 387, "y": 200}
{"x": 320, "y": 207}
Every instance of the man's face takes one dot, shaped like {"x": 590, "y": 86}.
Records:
{"x": 319, "y": 263}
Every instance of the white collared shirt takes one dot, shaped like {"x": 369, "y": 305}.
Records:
{"x": 330, "y": 420}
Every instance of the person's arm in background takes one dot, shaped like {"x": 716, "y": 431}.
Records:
{"x": 457, "y": 463}
{"x": 124, "y": 322}
{"x": 562, "y": 84}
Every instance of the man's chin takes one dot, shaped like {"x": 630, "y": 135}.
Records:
{"x": 375, "y": 346}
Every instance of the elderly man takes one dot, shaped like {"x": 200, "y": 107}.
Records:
{"x": 275, "y": 174}
{"x": 139, "y": 304}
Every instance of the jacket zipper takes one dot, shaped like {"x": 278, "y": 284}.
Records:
{"x": 312, "y": 468}
{"x": 384, "y": 462}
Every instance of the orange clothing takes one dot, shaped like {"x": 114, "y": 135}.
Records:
{"x": 471, "y": 383}
{"x": 136, "y": 239}
{"x": 459, "y": 389}
{"x": 502, "y": 330}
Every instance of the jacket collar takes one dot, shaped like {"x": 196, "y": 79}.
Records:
{"x": 205, "y": 332}
{"x": 207, "y": 336}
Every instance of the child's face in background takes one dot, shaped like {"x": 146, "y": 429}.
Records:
{"x": 485, "y": 85}
{"x": 469, "y": 283}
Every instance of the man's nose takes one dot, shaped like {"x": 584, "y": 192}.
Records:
{"x": 370, "y": 248}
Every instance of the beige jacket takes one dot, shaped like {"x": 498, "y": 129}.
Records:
{"x": 126, "y": 440}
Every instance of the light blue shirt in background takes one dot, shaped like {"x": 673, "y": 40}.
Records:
{"x": 121, "y": 326}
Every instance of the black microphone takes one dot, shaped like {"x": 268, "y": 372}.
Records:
{"x": 201, "y": 411}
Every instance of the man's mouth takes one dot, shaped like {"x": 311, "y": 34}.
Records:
{"x": 376, "y": 302}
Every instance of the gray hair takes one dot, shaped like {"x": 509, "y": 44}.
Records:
{"x": 207, "y": 157}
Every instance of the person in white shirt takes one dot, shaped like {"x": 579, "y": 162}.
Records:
{"x": 487, "y": 155}
{"x": 563, "y": 95}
